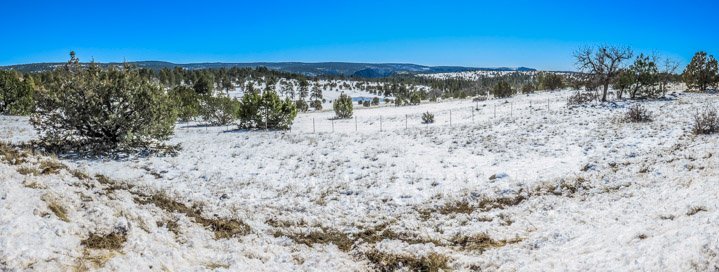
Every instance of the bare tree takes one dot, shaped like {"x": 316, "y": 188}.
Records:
{"x": 602, "y": 63}
{"x": 668, "y": 69}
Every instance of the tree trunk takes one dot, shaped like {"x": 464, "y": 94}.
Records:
{"x": 604, "y": 93}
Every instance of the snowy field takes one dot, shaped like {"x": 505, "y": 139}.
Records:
{"x": 519, "y": 184}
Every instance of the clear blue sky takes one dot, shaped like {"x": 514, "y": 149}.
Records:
{"x": 536, "y": 34}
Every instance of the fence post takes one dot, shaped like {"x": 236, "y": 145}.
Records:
{"x": 450, "y": 118}
{"x": 405, "y": 121}
{"x": 472, "y": 116}
{"x": 495, "y": 111}
{"x": 313, "y": 125}
{"x": 547, "y": 104}
{"x": 355, "y": 123}
{"x": 510, "y": 110}
{"x": 380, "y": 123}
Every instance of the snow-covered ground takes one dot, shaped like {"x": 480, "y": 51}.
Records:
{"x": 539, "y": 186}
{"x": 330, "y": 89}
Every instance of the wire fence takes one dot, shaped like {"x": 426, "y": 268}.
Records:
{"x": 389, "y": 118}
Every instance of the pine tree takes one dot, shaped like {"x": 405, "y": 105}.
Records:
{"x": 343, "y": 106}
{"x": 502, "y": 89}
{"x": 204, "y": 85}
{"x": 701, "y": 72}
{"x": 186, "y": 102}
{"x": 646, "y": 76}
{"x": 101, "y": 110}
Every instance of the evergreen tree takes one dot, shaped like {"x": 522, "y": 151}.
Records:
{"x": 219, "y": 110}
{"x": 343, "y": 106}
{"x": 204, "y": 85}
{"x": 502, "y": 89}
{"x": 95, "y": 110}
{"x": 266, "y": 111}
{"x": 16, "y": 96}
{"x": 701, "y": 72}
{"x": 646, "y": 76}
{"x": 186, "y": 101}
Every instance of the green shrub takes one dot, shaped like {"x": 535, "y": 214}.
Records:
{"x": 186, "y": 102}
{"x": 219, "y": 110}
{"x": 101, "y": 110}
{"x": 375, "y": 101}
{"x": 317, "y": 104}
{"x": 427, "y": 118}
{"x": 301, "y": 105}
{"x": 343, "y": 106}
{"x": 16, "y": 96}
{"x": 502, "y": 90}
{"x": 366, "y": 103}
{"x": 415, "y": 98}
{"x": 266, "y": 111}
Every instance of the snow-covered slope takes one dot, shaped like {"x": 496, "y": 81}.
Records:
{"x": 539, "y": 186}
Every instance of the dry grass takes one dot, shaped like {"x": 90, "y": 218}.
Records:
{"x": 706, "y": 122}
{"x": 638, "y": 114}
{"x": 695, "y": 210}
{"x": 487, "y": 204}
{"x": 323, "y": 236}
{"x": 27, "y": 171}
{"x": 171, "y": 225}
{"x": 383, "y": 261}
{"x": 223, "y": 228}
{"x": 480, "y": 242}
{"x": 50, "y": 166}
{"x": 11, "y": 155}
{"x": 58, "y": 210}
{"x": 91, "y": 260}
{"x": 112, "y": 241}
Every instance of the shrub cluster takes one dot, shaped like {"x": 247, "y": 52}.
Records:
{"x": 266, "y": 110}
{"x": 581, "y": 98}
{"x": 638, "y": 114}
{"x": 219, "y": 110}
{"x": 706, "y": 122}
{"x": 502, "y": 90}
{"x": 98, "y": 110}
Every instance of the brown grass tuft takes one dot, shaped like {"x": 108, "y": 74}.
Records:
{"x": 112, "y": 241}
{"x": 391, "y": 262}
{"x": 223, "y": 228}
{"x": 480, "y": 242}
{"x": 324, "y": 236}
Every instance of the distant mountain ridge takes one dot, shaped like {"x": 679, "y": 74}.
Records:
{"x": 370, "y": 70}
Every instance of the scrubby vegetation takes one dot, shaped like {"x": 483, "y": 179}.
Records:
{"x": 638, "y": 114}
{"x": 16, "y": 94}
{"x": 502, "y": 90}
{"x": 99, "y": 110}
{"x": 266, "y": 111}
{"x": 427, "y": 118}
{"x": 702, "y": 72}
{"x": 706, "y": 121}
{"x": 343, "y": 106}
{"x": 219, "y": 110}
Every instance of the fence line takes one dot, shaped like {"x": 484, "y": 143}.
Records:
{"x": 475, "y": 113}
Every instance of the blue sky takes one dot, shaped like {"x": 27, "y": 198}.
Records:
{"x": 536, "y": 34}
